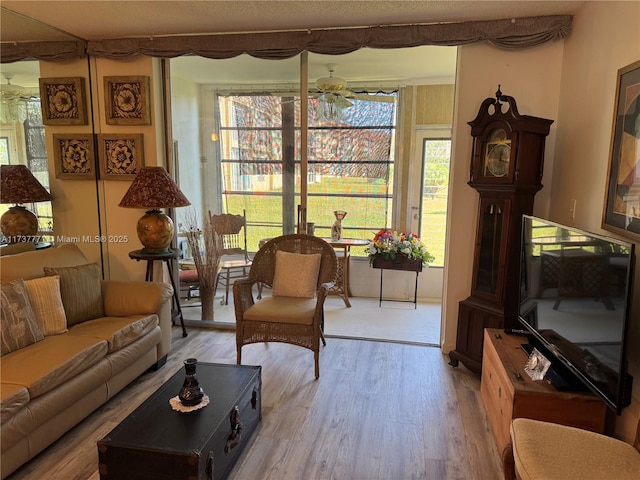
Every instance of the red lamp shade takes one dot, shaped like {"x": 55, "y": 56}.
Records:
{"x": 153, "y": 188}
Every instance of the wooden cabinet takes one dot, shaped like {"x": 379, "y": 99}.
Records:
{"x": 507, "y": 392}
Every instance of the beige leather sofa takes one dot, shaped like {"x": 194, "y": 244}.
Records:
{"x": 49, "y": 386}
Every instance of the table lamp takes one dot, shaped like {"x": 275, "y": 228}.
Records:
{"x": 153, "y": 188}
{"x": 18, "y": 185}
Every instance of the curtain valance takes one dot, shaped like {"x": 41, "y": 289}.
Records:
{"x": 505, "y": 33}
{"x": 52, "y": 51}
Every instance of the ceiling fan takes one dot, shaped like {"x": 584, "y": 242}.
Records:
{"x": 335, "y": 90}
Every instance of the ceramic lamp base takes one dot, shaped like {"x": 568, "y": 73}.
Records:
{"x": 155, "y": 231}
{"x": 19, "y": 224}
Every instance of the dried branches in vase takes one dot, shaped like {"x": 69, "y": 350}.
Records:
{"x": 206, "y": 248}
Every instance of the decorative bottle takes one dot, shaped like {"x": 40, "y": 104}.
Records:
{"x": 191, "y": 392}
{"x": 336, "y": 228}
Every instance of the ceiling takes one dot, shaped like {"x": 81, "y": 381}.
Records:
{"x": 94, "y": 20}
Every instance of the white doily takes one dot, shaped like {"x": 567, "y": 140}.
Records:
{"x": 177, "y": 405}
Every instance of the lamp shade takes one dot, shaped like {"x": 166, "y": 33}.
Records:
{"x": 18, "y": 185}
{"x": 153, "y": 188}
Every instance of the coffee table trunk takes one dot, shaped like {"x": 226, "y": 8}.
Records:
{"x": 156, "y": 442}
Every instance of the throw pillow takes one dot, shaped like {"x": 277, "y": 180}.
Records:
{"x": 45, "y": 299}
{"x": 296, "y": 274}
{"x": 81, "y": 292}
{"x": 19, "y": 326}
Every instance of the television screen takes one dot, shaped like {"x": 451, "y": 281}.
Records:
{"x": 575, "y": 297}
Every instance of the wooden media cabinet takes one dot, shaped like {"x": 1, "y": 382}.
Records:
{"x": 508, "y": 392}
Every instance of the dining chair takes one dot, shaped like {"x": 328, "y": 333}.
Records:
{"x": 233, "y": 230}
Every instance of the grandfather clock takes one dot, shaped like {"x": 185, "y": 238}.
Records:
{"x": 506, "y": 170}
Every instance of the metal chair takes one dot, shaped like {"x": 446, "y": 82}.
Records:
{"x": 233, "y": 230}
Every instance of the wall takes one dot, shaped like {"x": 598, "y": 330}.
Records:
{"x": 605, "y": 38}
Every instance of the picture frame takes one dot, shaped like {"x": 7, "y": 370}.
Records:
{"x": 63, "y": 101}
{"x": 621, "y": 213}
{"x": 127, "y": 100}
{"x": 120, "y": 156}
{"x": 74, "y": 156}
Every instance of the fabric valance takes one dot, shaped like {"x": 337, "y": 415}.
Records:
{"x": 509, "y": 33}
{"x": 52, "y": 51}
{"x": 504, "y": 33}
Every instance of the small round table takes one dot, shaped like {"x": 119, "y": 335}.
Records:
{"x": 172, "y": 254}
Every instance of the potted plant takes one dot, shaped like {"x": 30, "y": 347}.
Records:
{"x": 398, "y": 251}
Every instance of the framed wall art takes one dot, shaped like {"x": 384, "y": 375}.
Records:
{"x": 120, "y": 156}
{"x": 63, "y": 101}
{"x": 622, "y": 201}
{"x": 74, "y": 156}
{"x": 127, "y": 100}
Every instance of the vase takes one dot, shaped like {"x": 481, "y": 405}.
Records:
{"x": 191, "y": 392}
{"x": 207, "y": 298}
{"x": 336, "y": 228}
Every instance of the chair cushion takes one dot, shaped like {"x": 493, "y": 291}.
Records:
{"x": 296, "y": 274}
{"x": 548, "y": 451}
{"x": 19, "y": 326}
{"x": 282, "y": 310}
{"x": 188, "y": 276}
{"x": 81, "y": 291}
{"x": 44, "y": 295}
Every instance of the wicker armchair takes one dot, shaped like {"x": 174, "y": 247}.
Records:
{"x": 277, "y": 318}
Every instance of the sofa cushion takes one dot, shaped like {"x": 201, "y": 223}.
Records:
{"x": 44, "y": 295}
{"x": 12, "y": 398}
{"x": 43, "y": 366}
{"x": 117, "y": 331}
{"x": 81, "y": 291}
{"x": 122, "y": 298}
{"x": 19, "y": 326}
{"x": 29, "y": 265}
{"x": 282, "y": 309}
{"x": 296, "y": 274}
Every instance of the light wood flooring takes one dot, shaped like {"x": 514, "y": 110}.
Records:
{"x": 366, "y": 319}
{"x": 380, "y": 410}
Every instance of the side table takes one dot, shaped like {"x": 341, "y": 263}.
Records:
{"x": 342, "y": 247}
{"x": 172, "y": 254}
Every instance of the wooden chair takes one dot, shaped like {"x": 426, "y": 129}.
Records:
{"x": 544, "y": 450}
{"x": 294, "y": 313}
{"x": 233, "y": 230}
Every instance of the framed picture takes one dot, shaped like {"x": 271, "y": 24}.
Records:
{"x": 63, "y": 101}
{"x": 127, "y": 100}
{"x": 120, "y": 156}
{"x": 622, "y": 201}
{"x": 74, "y": 156}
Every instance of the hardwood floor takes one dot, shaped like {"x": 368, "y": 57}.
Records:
{"x": 379, "y": 411}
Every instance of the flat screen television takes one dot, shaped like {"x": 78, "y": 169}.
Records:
{"x": 575, "y": 296}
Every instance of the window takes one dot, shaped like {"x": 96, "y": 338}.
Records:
{"x": 350, "y": 164}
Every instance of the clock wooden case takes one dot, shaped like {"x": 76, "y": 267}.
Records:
{"x": 506, "y": 170}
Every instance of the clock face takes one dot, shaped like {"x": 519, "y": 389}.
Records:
{"x": 497, "y": 163}
{"x": 497, "y": 154}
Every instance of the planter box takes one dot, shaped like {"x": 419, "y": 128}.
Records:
{"x": 401, "y": 262}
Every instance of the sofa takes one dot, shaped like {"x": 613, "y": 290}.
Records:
{"x": 70, "y": 342}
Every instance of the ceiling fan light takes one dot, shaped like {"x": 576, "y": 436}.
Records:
{"x": 331, "y": 84}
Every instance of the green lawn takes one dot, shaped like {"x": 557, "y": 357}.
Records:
{"x": 365, "y": 216}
